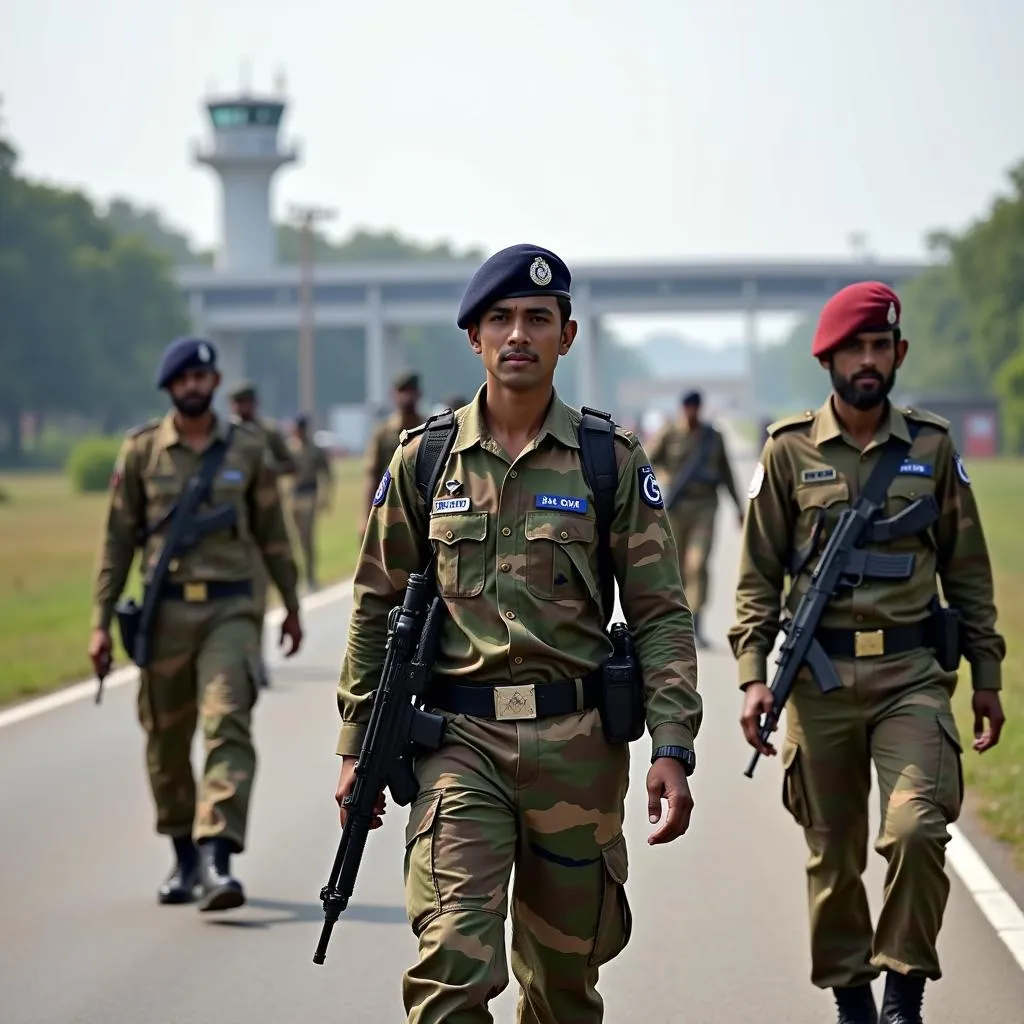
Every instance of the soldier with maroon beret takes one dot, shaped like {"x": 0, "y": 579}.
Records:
{"x": 888, "y": 641}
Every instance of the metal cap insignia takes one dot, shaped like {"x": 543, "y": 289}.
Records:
{"x": 890, "y": 317}
{"x": 204, "y": 352}
{"x": 540, "y": 272}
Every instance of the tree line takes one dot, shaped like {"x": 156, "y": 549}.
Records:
{"x": 964, "y": 317}
{"x": 89, "y": 301}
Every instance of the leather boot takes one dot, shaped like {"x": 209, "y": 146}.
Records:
{"x": 904, "y": 994}
{"x": 220, "y": 890}
{"x": 856, "y": 1005}
{"x": 181, "y": 883}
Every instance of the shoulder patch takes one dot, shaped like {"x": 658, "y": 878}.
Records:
{"x": 961, "y": 472}
{"x": 802, "y": 419}
{"x": 382, "y": 489}
{"x": 650, "y": 492}
{"x": 756, "y": 481}
{"x": 142, "y": 428}
{"x": 924, "y": 416}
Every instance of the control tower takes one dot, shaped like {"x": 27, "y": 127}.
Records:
{"x": 246, "y": 153}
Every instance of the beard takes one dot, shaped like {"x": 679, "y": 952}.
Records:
{"x": 192, "y": 405}
{"x": 849, "y": 389}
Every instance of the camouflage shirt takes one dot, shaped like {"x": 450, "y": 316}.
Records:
{"x": 674, "y": 446}
{"x": 520, "y": 579}
{"x": 382, "y": 444}
{"x": 810, "y": 468}
{"x": 151, "y": 472}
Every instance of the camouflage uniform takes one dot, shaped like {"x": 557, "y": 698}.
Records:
{"x": 894, "y": 708}
{"x": 205, "y": 654}
{"x": 380, "y": 448}
{"x": 311, "y": 463}
{"x": 544, "y": 795}
{"x": 693, "y": 515}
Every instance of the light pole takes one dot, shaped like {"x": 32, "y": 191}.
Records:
{"x": 305, "y": 218}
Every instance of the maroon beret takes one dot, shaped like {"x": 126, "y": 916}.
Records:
{"x": 864, "y": 306}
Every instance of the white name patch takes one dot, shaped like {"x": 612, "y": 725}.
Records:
{"x": 444, "y": 505}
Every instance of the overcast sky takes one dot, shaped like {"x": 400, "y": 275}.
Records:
{"x": 605, "y": 129}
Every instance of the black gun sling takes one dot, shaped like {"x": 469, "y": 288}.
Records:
{"x": 854, "y": 643}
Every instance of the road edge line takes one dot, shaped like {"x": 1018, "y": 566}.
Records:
{"x": 129, "y": 673}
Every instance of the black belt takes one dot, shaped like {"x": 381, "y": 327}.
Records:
{"x": 867, "y": 643}
{"x": 517, "y": 701}
{"x": 201, "y": 590}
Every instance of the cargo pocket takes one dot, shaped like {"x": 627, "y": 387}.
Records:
{"x": 949, "y": 779}
{"x": 794, "y": 788}
{"x": 558, "y": 562}
{"x": 459, "y": 543}
{"x": 422, "y": 899}
{"x": 615, "y": 919}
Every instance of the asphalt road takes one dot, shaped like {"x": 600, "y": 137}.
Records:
{"x": 720, "y": 932}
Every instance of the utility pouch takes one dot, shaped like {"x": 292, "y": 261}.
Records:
{"x": 944, "y": 626}
{"x": 129, "y": 618}
{"x": 622, "y": 709}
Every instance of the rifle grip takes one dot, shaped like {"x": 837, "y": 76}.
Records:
{"x": 822, "y": 669}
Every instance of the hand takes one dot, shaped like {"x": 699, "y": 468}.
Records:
{"x": 346, "y": 781}
{"x": 667, "y": 780}
{"x": 757, "y": 701}
{"x": 291, "y": 628}
{"x": 100, "y": 649}
{"x": 986, "y": 705}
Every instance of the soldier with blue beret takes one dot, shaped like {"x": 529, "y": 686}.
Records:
{"x": 515, "y": 527}
{"x": 200, "y": 662}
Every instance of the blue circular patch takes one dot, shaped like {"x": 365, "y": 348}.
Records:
{"x": 382, "y": 489}
{"x": 650, "y": 492}
{"x": 960, "y": 471}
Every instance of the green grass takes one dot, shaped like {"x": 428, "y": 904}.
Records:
{"x": 49, "y": 538}
{"x": 996, "y": 778}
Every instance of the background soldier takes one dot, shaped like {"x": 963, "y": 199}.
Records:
{"x": 540, "y": 789}
{"x": 384, "y": 440}
{"x": 894, "y": 706}
{"x": 205, "y": 643}
{"x": 690, "y": 454}
{"x": 245, "y": 407}
{"x": 311, "y": 491}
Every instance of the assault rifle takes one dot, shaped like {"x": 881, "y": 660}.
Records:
{"x": 396, "y": 730}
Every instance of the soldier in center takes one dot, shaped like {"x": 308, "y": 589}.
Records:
{"x": 526, "y": 776}
{"x": 693, "y": 453}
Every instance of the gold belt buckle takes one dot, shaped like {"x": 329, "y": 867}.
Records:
{"x": 512, "y": 703}
{"x": 195, "y": 592}
{"x": 868, "y": 643}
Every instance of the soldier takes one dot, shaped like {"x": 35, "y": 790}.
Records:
{"x": 384, "y": 440}
{"x": 884, "y": 638}
{"x": 530, "y": 781}
{"x": 205, "y": 644}
{"x": 245, "y": 407}
{"x": 693, "y": 454}
{"x": 311, "y": 490}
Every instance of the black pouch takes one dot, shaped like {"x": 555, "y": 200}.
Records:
{"x": 129, "y": 617}
{"x": 944, "y": 627}
{"x": 623, "y": 714}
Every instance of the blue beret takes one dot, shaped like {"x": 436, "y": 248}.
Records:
{"x": 691, "y": 398}
{"x": 512, "y": 273}
{"x": 183, "y": 354}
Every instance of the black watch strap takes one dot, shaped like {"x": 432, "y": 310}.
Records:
{"x": 686, "y": 757}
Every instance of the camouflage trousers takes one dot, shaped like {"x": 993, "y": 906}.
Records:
{"x": 907, "y": 730}
{"x": 304, "y": 517}
{"x": 693, "y": 527}
{"x": 204, "y": 668}
{"x": 547, "y": 798}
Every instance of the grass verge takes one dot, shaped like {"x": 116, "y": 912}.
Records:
{"x": 49, "y": 537}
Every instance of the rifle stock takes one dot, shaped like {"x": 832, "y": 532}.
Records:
{"x": 396, "y": 730}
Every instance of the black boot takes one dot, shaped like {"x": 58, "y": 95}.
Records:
{"x": 220, "y": 890}
{"x": 180, "y": 884}
{"x": 856, "y": 1005}
{"x": 904, "y": 994}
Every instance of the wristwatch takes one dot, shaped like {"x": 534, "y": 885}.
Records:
{"x": 687, "y": 758}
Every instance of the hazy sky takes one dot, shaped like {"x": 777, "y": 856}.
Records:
{"x": 605, "y": 129}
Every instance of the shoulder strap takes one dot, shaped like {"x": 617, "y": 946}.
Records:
{"x": 690, "y": 468}
{"x": 886, "y": 468}
{"x": 439, "y": 434}
{"x": 597, "y": 453}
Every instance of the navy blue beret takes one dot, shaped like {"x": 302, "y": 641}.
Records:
{"x": 513, "y": 273}
{"x": 691, "y": 398}
{"x": 183, "y": 354}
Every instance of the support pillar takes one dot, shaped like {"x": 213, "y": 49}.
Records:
{"x": 382, "y": 357}
{"x": 587, "y": 349}
{"x": 231, "y": 362}
{"x": 750, "y": 345}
